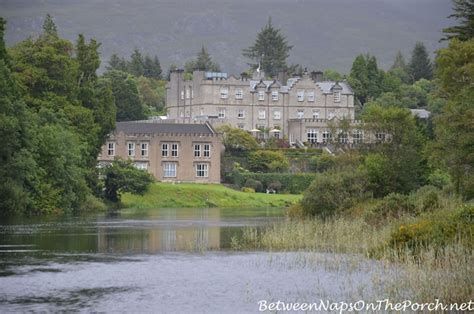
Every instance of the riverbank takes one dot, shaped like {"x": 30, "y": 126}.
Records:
{"x": 193, "y": 195}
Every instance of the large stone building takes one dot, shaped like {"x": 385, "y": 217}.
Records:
{"x": 298, "y": 108}
{"x": 174, "y": 152}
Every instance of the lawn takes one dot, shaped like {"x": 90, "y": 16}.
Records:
{"x": 168, "y": 195}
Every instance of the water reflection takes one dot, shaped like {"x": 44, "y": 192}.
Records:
{"x": 132, "y": 232}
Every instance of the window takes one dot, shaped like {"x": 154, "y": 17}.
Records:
{"x": 300, "y": 114}
{"x": 357, "y": 137}
{"x": 300, "y": 95}
{"x": 188, "y": 93}
{"x": 239, "y": 94}
{"x": 261, "y": 95}
{"x": 188, "y": 114}
{"x": 311, "y": 96}
{"x": 343, "y": 138}
{"x": 207, "y": 150}
{"x": 380, "y": 137}
{"x": 221, "y": 113}
{"x": 241, "y": 126}
{"x": 182, "y": 94}
{"x": 144, "y": 150}
{"x": 276, "y": 114}
{"x": 169, "y": 170}
{"x": 315, "y": 114}
{"x": 141, "y": 165}
{"x": 197, "y": 150}
{"x": 337, "y": 96}
{"x": 131, "y": 149}
{"x": 111, "y": 149}
{"x": 181, "y": 114}
{"x": 275, "y": 95}
{"x": 312, "y": 136}
{"x": 261, "y": 114}
{"x": 241, "y": 114}
{"x": 202, "y": 170}
{"x": 192, "y": 93}
{"x": 327, "y": 137}
{"x": 224, "y": 93}
{"x": 174, "y": 150}
{"x": 164, "y": 150}
{"x": 331, "y": 114}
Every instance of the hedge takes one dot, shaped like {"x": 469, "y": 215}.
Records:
{"x": 291, "y": 183}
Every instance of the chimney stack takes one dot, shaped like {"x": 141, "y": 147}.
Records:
{"x": 317, "y": 76}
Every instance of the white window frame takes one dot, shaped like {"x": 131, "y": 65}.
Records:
{"x": 170, "y": 169}
{"x": 276, "y": 114}
{"x": 300, "y": 95}
{"x": 182, "y": 94}
{"x": 165, "y": 150}
{"x": 311, "y": 95}
{"x": 261, "y": 95}
{"x": 111, "y": 148}
{"x": 312, "y": 135}
{"x": 357, "y": 137}
{"x": 343, "y": 137}
{"x": 262, "y": 113}
{"x": 197, "y": 150}
{"x": 141, "y": 165}
{"x": 331, "y": 114}
{"x": 327, "y": 136}
{"x": 144, "y": 149}
{"x": 316, "y": 114}
{"x": 206, "y": 150}
{"x": 130, "y": 149}
{"x": 188, "y": 93}
{"x": 221, "y": 113}
{"x": 202, "y": 170}
{"x": 241, "y": 113}
{"x": 224, "y": 91}
{"x": 174, "y": 150}
{"x": 275, "y": 95}
{"x": 337, "y": 96}
{"x": 300, "y": 113}
{"x": 239, "y": 93}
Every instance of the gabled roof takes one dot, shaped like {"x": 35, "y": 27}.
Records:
{"x": 146, "y": 127}
{"x": 327, "y": 86}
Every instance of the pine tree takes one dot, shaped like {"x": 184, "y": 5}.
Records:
{"x": 271, "y": 49}
{"x": 49, "y": 27}
{"x": 399, "y": 62}
{"x": 156, "y": 68}
{"x": 136, "y": 66}
{"x": 464, "y": 12}
{"x": 116, "y": 63}
{"x": 420, "y": 66}
{"x": 88, "y": 59}
{"x": 204, "y": 62}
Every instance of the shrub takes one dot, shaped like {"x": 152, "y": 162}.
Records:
{"x": 392, "y": 206}
{"x": 275, "y": 185}
{"x": 267, "y": 160}
{"x": 254, "y": 184}
{"x": 439, "y": 178}
{"x": 426, "y": 198}
{"x": 322, "y": 162}
{"x": 291, "y": 183}
{"x": 248, "y": 190}
{"x": 331, "y": 192}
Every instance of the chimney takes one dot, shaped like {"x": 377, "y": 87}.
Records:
{"x": 282, "y": 77}
{"x": 317, "y": 76}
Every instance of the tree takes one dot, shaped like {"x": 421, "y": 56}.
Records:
{"x": 268, "y": 161}
{"x": 235, "y": 139}
{"x": 204, "y": 62}
{"x": 136, "y": 66}
{"x": 127, "y": 99}
{"x": 270, "y": 50}
{"x": 88, "y": 59}
{"x": 49, "y": 28}
{"x": 116, "y": 63}
{"x": 454, "y": 128}
{"x": 399, "y": 62}
{"x": 464, "y": 12}
{"x": 152, "y": 68}
{"x": 365, "y": 78}
{"x": 420, "y": 65}
{"x": 122, "y": 176}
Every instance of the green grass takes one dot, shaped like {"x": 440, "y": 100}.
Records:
{"x": 167, "y": 195}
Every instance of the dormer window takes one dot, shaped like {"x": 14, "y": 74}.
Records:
{"x": 261, "y": 95}
{"x": 275, "y": 95}
{"x": 224, "y": 93}
{"x": 337, "y": 96}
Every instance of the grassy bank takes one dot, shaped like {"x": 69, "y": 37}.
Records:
{"x": 167, "y": 195}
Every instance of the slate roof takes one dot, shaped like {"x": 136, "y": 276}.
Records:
{"x": 146, "y": 127}
{"x": 327, "y": 85}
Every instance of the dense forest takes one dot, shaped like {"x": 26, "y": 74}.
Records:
{"x": 56, "y": 112}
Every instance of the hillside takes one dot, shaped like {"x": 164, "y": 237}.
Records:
{"x": 324, "y": 33}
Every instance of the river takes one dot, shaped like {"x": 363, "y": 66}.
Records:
{"x": 166, "y": 260}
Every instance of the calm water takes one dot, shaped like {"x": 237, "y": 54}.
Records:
{"x": 168, "y": 260}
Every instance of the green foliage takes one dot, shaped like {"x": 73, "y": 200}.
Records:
{"x": 439, "y": 178}
{"x": 236, "y": 140}
{"x": 247, "y": 190}
{"x": 270, "y": 50}
{"x": 420, "y": 66}
{"x": 122, "y": 176}
{"x": 333, "y": 192}
{"x": 203, "y": 62}
{"x": 127, "y": 99}
{"x": 138, "y": 65}
{"x": 332, "y": 75}
{"x": 49, "y": 28}
{"x": 391, "y": 207}
{"x": 268, "y": 161}
{"x": 365, "y": 78}
{"x": 322, "y": 162}
{"x": 464, "y": 13}
{"x": 291, "y": 183}
{"x": 254, "y": 185}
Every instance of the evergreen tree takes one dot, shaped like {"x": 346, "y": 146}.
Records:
{"x": 358, "y": 78}
{"x": 136, "y": 66}
{"x": 156, "y": 73}
{"x": 271, "y": 49}
{"x": 49, "y": 28}
{"x": 116, "y": 63}
{"x": 88, "y": 59}
{"x": 152, "y": 67}
{"x": 399, "y": 62}
{"x": 420, "y": 66}
{"x": 464, "y": 12}
{"x": 204, "y": 62}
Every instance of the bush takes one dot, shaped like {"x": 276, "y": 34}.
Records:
{"x": 426, "y": 199}
{"x": 332, "y": 192}
{"x": 392, "y": 206}
{"x": 247, "y": 190}
{"x": 291, "y": 183}
{"x": 267, "y": 161}
{"x": 322, "y": 162}
{"x": 254, "y": 184}
{"x": 275, "y": 185}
